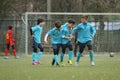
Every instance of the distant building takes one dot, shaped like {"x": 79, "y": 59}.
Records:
{"x": 108, "y": 25}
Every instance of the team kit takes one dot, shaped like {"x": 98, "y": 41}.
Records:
{"x": 61, "y": 37}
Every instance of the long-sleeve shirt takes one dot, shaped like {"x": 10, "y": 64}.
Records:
{"x": 85, "y": 32}
{"x": 56, "y": 35}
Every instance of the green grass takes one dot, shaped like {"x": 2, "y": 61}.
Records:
{"x": 106, "y": 68}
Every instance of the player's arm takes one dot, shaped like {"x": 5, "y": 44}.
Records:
{"x": 93, "y": 31}
{"x": 46, "y": 39}
{"x": 32, "y": 30}
{"x": 76, "y": 34}
{"x": 74, "y": 31}
{"x": 46, "y": 36}
{"x": 64, "y": 35}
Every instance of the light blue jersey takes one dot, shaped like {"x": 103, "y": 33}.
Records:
{"x": 56, "y": 35}
{"x": 37, "y": 32}
{"x": 85, "y": 32}
{"x": 65, "y": 32}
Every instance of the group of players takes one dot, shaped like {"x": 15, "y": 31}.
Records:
{"x": 61, "y": 36}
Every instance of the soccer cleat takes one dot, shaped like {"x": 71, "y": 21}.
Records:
{"x": 38, "y": 62}
{"x": 57, "y": 65}
{"x": 53, "y": 62}
{"x": 16, "y": 57}
{"x": 76, "y": 64}
{"x": 92, "y": 63}
{"x": 62, "y": 64}
{"x": 34, "y": 63}
{"x": 5, "y": 57}
{"x": 70, "y": 62}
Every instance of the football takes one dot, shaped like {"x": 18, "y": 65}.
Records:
{"x": 111, "y": 54}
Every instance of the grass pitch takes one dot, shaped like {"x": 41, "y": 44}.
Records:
{"x": 106, "y": 68}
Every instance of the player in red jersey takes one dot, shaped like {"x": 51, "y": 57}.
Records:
{"x": 10, "y": 43}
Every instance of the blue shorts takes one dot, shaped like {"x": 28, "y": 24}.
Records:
{"x": 37, "y": 45}
{"x": 56, "y": 48}
{"x": 68, "y": 45}
{"x": 83, "y": 45}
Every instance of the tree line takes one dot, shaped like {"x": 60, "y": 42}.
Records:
{"x": 15, "y": 8}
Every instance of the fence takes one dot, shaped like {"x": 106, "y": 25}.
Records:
{"x": 106, "y": 40}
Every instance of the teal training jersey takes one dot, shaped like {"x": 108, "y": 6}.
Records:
{"x": 65, "y": 32}
{"x": 37, "y": 32}
{"x": 85, "y": 32}
{"x": 56, "y": 35}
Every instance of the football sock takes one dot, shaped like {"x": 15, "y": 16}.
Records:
{"x": 14, "y": 52}
{"x": 39, "y": 55}
{"x": 70, "y": 55}
{"x": 91, "y": 56}
{"x": 6, "y": 52}
{"x": 56, "y": 58}
{"x": 33, "y": 56}
{"x": 61, "y": 57}
{"x": 78, "y": 57}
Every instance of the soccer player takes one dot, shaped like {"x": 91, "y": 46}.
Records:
{"x": 10, "y": 43}
{"x": 66, "y": 41}
{"x": 36, "y": 33}
{"x": 56, "y": 41}
{"x": 86, "y": 33}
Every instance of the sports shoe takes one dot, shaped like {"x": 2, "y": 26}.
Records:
{"x": 5, "y": 57}
{"x": 57, "y": 65}
{"x": 38, "y": 62}
{"x": 34, "y": 63}
{"x": 62, "y": 64}
{"x": 53, "y": 62}
{"x": 16, "y": 57}
{"x": 70, "y": 62}
{"x": 76, "y": 64}
{"x": 92, "y": 63}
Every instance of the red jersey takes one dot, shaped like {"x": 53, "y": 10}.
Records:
{"x": 9, "y": 38}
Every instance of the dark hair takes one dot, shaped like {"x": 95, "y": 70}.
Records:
{"x": 84, "y": 16}
{"x": 40, "y": 20}
{"x": 71, "y": 21}
{"x": 10, "y": 27}
{"x": 58, "y": 24}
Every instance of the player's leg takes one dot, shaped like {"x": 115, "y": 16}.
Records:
{"x": 75, "y": 49}
{"x": 14, "y": 52}
{"x": 91, "y": 53}
{"x": 6, "y": 52}
{"x": 53, "y": 60}
{"x": 40, "y": 52}
{"x": 70, "y": 53}
{"x": 34, "y": 56}
{"x": 35, "y": 45}
{"x": 62, "y": 54}
{"x": 81, "y": 49}
{"x": 56, "y": 51}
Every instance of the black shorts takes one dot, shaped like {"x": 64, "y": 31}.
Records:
{"x": 37, "y": 45}
{"x": 83, "y": 45}
{"x": 56, "y": 48}
{"x": 8, "y": 46}
{"x": 68, "y": 45}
